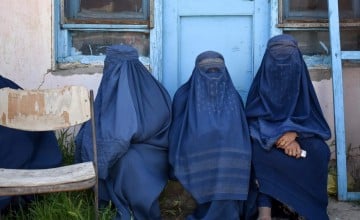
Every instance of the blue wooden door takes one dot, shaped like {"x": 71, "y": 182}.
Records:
{"x": 238, "y": 29}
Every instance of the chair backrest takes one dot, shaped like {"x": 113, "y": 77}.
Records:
{"x": 48, "y": 109}
{"x": 45, "y": 110}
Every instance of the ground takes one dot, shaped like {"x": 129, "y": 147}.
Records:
{"x": 176, "y": 203}
{"x": 343, "y": 210}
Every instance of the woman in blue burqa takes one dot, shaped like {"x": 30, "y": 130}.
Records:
{"x": 284, "y": 118}
{"x": 25, "y": 150}
{"x": 132, "y": 117}
{"x": 210, "y": 148}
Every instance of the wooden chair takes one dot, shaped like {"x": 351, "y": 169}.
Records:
{"x": 44, "y": 110}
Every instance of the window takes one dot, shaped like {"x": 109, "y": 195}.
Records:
{"x": 307, "y": 21}
{"x": 317, "y": 42}
{"x": 317, "y": 10}
{"x": 111, "y": 11}
{"x": 85, "y": 28}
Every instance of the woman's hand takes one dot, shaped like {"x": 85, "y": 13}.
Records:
{"x": 286, "y": 139}
{"x": 293, "y": 149}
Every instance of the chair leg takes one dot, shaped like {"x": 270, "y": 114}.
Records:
{"x": 96, "y": 198}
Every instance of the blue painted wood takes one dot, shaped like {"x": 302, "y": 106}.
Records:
{"x": 237, "y": 29}
{"x": 350, "y": 55}
{"x": 338, "y": 99}
{"x": 103, "y": 26}
{"x": 62, "y": 38}
{"x": 214, "y": 8}
{"x": 156, "y": 40}
{"x": 353, "y": 196}
{"x": 274, "y": 19}
{"x": 262, "y": 26}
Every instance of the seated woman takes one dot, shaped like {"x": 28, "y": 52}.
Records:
{"x": 25, "y": 150}
{"x": 284, "y": 118}
{"x": 132, "y": 117}
{"x": 210, "y": 149}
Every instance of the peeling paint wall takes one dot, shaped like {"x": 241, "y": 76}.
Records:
{"x": 26, "y": 41}
{"x": 322, "y": 81}
{"x": 351, "y": 80}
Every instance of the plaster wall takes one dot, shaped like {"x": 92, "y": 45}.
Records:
{"x": 351, "y": 80}
{"x": 27, "y": 48}
{"x": 322, "y": 82}
{"x": 26, "y": 41}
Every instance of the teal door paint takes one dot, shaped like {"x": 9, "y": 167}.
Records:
{"x": 238, "y": 29}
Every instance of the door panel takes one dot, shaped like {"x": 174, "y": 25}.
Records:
{"x": 230, "y": 27}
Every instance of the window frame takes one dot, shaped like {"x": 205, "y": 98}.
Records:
{"x": 294, "y": 24}
{"x": 63, "y": 42}
{"x": 142, "y": 18}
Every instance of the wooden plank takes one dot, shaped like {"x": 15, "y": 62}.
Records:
{"x": 323, "y": 25}
{"x": 350, "y": 55}
{"x": 39, "y": 110}
{"x": 338, "y": 98}
{"x": 43, "y": 177}
{"x": 142, "y": 28}
{"x": 9, "y": 191}
{"x": 354, "y": 196}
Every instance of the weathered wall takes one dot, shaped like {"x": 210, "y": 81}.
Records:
{"x": 27, "y": 47}
{"x": 351, "y": 79}
{"x": 322, "y": 81}
{"x": 26, "y": 41}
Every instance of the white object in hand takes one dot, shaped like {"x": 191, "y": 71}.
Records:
{"x": 303, "y": 153}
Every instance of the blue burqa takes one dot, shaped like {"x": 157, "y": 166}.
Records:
{"x": 210, "y": 148}
{"x": 132, "y": 117}
{"x": 25, "y": 149}
{"x": 281, "y": 99}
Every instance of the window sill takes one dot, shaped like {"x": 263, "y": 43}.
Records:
{"x": 315, "y": 25}
{"x": 81, "y": 61}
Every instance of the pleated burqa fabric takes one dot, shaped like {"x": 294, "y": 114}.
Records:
{"x": 26, "y": 149}
{"x": 132, "y": 117}
{"x": 210, "y": 149}
{"x": 282, "y": 99}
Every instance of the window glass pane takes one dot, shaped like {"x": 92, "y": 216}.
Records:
{"x": 317, "y": 42}
{"x": 106, "y": 9}
{"x": 318, "y": 9}
{"x": 111, "y": 6}
{"x": 305, "y": 5}
{"x": 95, "y": 43}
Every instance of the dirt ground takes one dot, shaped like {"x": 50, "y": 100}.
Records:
{"x": 343, "y": 210}
{"x": 176, "y": 203}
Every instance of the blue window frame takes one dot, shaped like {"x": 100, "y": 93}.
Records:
{"x": 295, "y": 11}
{"x": 83, "y": 29}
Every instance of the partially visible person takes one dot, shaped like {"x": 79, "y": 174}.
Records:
{"x": 285, "y": 118}
{"x": 209, "y": 142}
{"x": 132, "y": 118}
{"x": 25, "y": 150}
